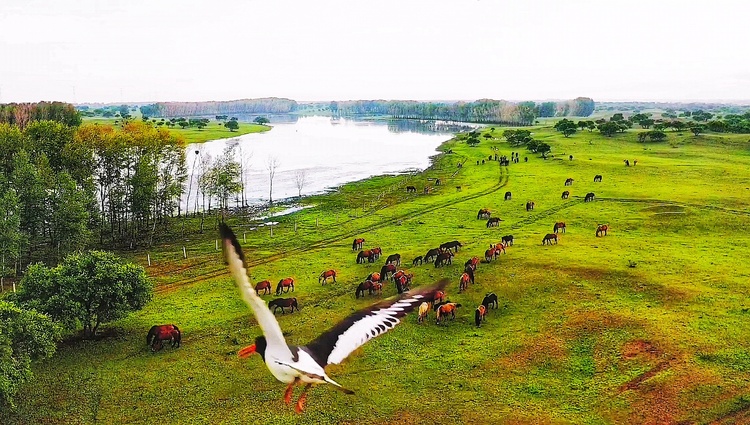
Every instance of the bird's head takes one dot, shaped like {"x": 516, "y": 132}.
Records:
{"x": 259, "y": 347}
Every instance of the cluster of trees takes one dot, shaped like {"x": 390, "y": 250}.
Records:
{"x": 22, "y": 114}
{"x": 518, "y": 138}
{"x": 696, "y": 122}
{"x": 269, "y": 105}
{"x": 483, "y": 110}
{"x": 107, "y": 111}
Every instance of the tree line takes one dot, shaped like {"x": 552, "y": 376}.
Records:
{"x": 22, "y": 114}
{"x": 269, "y": 105}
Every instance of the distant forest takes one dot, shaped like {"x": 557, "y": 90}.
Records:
{"x": 483, "y": 110}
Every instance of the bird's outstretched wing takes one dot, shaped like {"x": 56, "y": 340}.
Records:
{"x": 333, "y": 346}
{"x": 236, "y": 260}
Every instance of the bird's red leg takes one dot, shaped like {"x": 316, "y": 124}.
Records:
{"x": 289, "y": 391}
{"x": 302, "y": 398}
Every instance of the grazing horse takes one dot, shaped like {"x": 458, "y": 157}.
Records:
{"x": 438, "y": 295}
{"x": 597, "y": 178}
{"x": 508, "y": 240}
{"x": 325, "y": 275}
{"x": 377, "y": 252}
{"x": 601, "y": 229}
{"x": 283, "y": 302}
{"x": 508, "y": 196}
{"x": 529, "y": 206}
{"x": 463, "y": 282}
{"x": 480, "y": 314}
{"x": 424, "y": 308}
{"x": 490, "y": 300}
{"x": 444, "y": 257}
{"x": 367, "y": 285}
{"x": 470, "y": 271}
{"x": 411, "y": 189}
{"x": 264, "y": 286}
{"x": 568, "y": 182}
{"x": 285, "y": 285}
{"x": 548, "y": 238}
{"x": 449, "y": 245}
{"x": 493, "y": 222}
{"x": 377, "y": 287}
{"x": 374, "y": 276}
{"x": 358, "y": 244}
{"x": 388, "y": 269}
{"x": 394, "y": 258}
{"x": 403, "y": 282}
{"x": 559, "y": 226}
{"x": 432, "y": 254}
{"x": 472, "y": 262}
{"x": 417, "y": 260}
{"x": 627, "y": 163}
{"x": 159, "y": 333}
{"x": 458, "y": 188}
{"x": 446, "y": 309}
{"x": 565, "y": 194}
{"x": 490, "y": 254}
{"x": 589, "y": 197}
{"x": 483, "y": 213}
{"x": 499, "y": 247}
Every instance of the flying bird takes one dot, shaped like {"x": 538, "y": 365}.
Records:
{"x": 297, "y": 365}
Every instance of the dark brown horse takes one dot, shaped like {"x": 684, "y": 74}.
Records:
{"x": 388, "y": 269}
{"x": 490, "y": 300}
{"x": 451, "y": 245}
{"x": 285, "y": 285}
{"x": 601, "y": 229}
{"x": 411, "y": 189}
{"x": 493, "y": 222}
{"x": 417, "y": 260}
{"x": 367, "y": 285}
{"x": 443, "y": 258}
{"x": 548, "y": 238}
{"x": 394, "y": 259}
{"x": 589, "y": 197}
{"x": 325, "y": 275}
{"x": 264, "y": 286}
{"x": 431, "y": 254}
{"x": 508, "y": 196}
{"x": 566, "y": 194}
{"x": 507, "y": 240}
{"x": 483, "y": 213}
{"x": 597, "y": 178}
{"x": 283, "y": 302}
{"x": 529, "y": 206}
{"x": 368, "y": 255}
{"x": 159, "y": 333}
{"x": 358, "y": 244}
{"x": 568, "y": 182}
{"x": 559, "y": 226}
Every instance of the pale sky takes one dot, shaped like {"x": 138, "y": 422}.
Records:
{"x": 134, "y": 50}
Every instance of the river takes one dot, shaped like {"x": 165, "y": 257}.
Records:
{"x": 330, "y": 151}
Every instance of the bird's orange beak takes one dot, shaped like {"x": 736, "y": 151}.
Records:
{"x": 246, "y": 352}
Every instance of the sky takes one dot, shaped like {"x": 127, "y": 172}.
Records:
{"x": 140, "y": 51}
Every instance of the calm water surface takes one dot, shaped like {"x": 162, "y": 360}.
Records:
{"x": 331, "y": 151}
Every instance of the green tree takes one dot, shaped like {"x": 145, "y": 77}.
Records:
{"x": 261, "y": 120}
{"x": 86, "y": 290}
{"x": 697, "y": 129}
{"x": 232, "y": 125}
{"x": 223, "y": 178}
{"x": 566, "y": 127}
{"x": 25, "y": 335}
{"x": 183, "y": 124}
{"x": 10, "y": 226}
{"x": 608, "y": 128}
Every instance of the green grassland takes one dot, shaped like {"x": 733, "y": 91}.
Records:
{"x": 649, "y": 324}
{"x": 213, "y": 131}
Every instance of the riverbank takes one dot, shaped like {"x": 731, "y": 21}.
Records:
{"x": 214, "y": 131}
{"x": 631, "y": 327}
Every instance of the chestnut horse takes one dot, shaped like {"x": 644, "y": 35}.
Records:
{"x": 483, "y": 213}
{"x": 283, "y": 302}
{"x": 446, "y": 309}
{"x": 367, "y": 285}
{"x": 325, "y": 275}
{"x": 285, "y": 285}
{"x": 388, "y": 269}
{"x": 559, "y": 226}
{"x": 463, "y": 283}
{"x": 472, "y": 262}
{"x": 264, "y": 286}
{"x": 548, "y": 238}
{"x": 490, "y": 254}
{"x": 358, "y": 244}
{"x": 499, "y": 247}
{"x": 374, "y": 276}
{"x": 480, "y": 314}
{"x": 601, "y": 229}
{"x": 159, "y": 333}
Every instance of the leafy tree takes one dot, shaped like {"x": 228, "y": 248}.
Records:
{"x": 223, "y": 178}
{"x": 566, "y": 127}
{"x": 517, "y": 137}
{"x": 261, "y": 120}
{"x": 697, "y": 129}
{"x": 25, "y": 335}
{"x": 232, "y": 125}
{"x": 617, "y": 117}
{"x": 609, "y": 128}
{"x": 10, "y": 225}
{"x": 646, "y": 123}
{"x": 183, "y": 124}
{"x": 86, "y": 289}
{"x": 653, "y": 136}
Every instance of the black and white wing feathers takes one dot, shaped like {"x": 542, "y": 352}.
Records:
{"x": 334, "y": 345}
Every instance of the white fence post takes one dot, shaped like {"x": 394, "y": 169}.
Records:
{"x": 148, "y": 256}
{"x": 184, "y": 253}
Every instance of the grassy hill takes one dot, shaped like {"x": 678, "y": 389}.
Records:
{"x": 648, "y": 324}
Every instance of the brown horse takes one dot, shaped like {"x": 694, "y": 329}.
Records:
{"x": 394, "y": 259}
{"x": 490, "y": 254}
{"x": 264, "y": 286}
{"x": 358, "y": 244}
{"x": 374, "y": 276}
{"x": 411, "y": 189}
{"x": 463, "y": 283}
{"x": 368, "y": 255}
{"x": 559, "y": 226}
{"x": 589, "y": 197}
{"x": 443, "y": 258}
{"x": 493, "y": 222}
{"x": 565, "y": 194}
{"x": 325, "y": 275}
{"x": 499, "y": 247}
{"x": 417, "y": 260}
{"x": 483, "y": 213}
{"x": 367, "y": 285}
{"x": 388, "y": 269}
{"x": 568, "y": 182}
{"x": 601, "y": 229}
{"x": 472, "y": 262}
{"x": 480, "y": 314}
{"x": 507, "y": 240}
{"x": 285, "y": 285}
{"x": 446, "y": 309}
{"x": 283, "y": 302}
{"x": 548, "y": 238}
{"x": 508, "y": 196}
{"x": 529, "y": 206}
{"x": 159, "y": 333}
{"x": 403, "y": 282}
{"x": 377, "y": 252}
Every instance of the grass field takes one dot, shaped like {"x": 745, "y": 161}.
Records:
{"x": 649, "y": 324}
{"x": 213, "y": 131}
